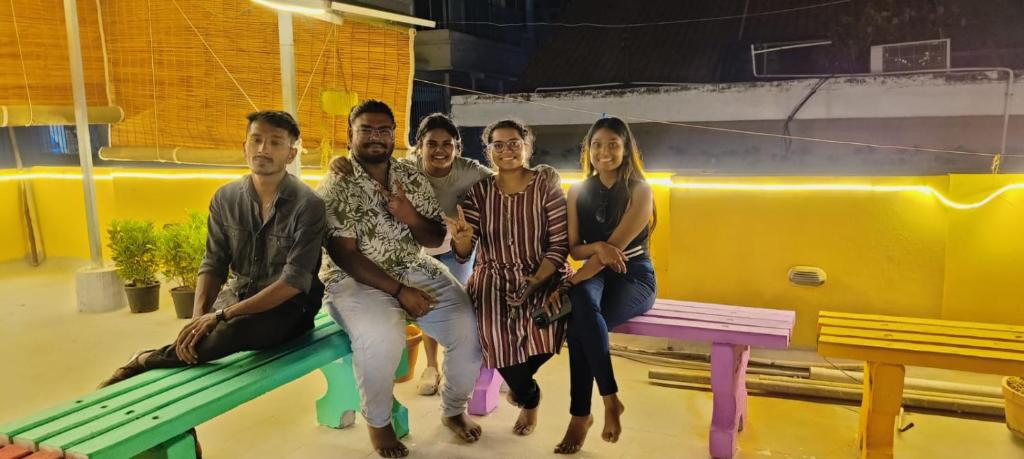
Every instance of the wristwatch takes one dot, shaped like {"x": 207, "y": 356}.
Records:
{"x": 220, "y": 315}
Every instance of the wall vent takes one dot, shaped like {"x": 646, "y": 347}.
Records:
{"x": 807, "y": 275}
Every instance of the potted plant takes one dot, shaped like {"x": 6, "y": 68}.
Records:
{"x": 180, "y": 252}
{"x": 133, "y": 244}
{"x": 1013, "y": 390}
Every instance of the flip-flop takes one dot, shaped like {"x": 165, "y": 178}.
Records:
{"x": 430, "y": 379}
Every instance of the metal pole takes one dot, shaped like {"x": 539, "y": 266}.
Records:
{"x": 287, "y": 51}
{"x": 82, "y": 127}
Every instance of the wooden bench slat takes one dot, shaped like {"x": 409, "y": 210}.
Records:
{"x": 17, "y": 426}
{"x": 145, "y": 432}
{"x": 926, "y": 355}
{"x": 127, "y": 400}
{"x": 243, "y": 363}
{"x": 938, "y": 330}
{"x": 710, "y": 332}
{"x": 1017, "y": 329}
{"x": 922, "y": 338}
{"x": 754, "y": 322}
{"x": 724, "y": 310}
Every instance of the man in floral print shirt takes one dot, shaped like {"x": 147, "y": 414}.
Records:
{"x": 379, "y": 218}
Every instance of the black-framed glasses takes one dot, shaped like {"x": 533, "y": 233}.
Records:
{"x": 602, "y": 213}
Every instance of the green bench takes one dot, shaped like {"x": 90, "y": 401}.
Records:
{"x": 152, "y": 413}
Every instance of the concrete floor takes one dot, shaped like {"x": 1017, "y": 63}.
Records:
{"x": 50, "y": 353}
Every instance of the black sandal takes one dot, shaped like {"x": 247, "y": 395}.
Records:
{"x": 132, "y": 368}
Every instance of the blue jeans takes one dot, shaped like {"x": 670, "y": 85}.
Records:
{"x": 461, "y": 271}
{"x": 599, "y": 304}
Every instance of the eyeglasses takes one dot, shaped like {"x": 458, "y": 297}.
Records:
{"x": 384, "y": 132}
{"x": 511, "y": 145}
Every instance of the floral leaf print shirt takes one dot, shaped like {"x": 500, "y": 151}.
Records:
{"x": 357, "y": 209}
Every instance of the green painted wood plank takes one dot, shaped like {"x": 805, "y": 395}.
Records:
{"x": 144, "y": 433}
{"x": 222, "y": 374}
{"x": 125, "y": 401}
{"x": 10, "y": 429}
{"x": 15, "y": 427}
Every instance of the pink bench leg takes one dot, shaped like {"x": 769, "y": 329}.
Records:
{"x": 485, "y": 394}
{"x": 728, "y": 384}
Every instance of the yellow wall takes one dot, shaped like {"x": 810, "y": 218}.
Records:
{"x": 901, "y": 253}
{"x": 984, "y": 268}
{"x": 14, "y": 243}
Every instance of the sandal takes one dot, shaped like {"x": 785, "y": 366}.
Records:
{"x": 430, "y": 379}
{"x": 132, "y": 368}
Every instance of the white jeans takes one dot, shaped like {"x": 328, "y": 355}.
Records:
{"x": 376, "y": 326}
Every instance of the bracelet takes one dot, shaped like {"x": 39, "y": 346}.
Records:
{"x": 398, "y": 291}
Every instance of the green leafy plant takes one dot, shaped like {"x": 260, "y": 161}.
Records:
{"x": 181, "y": 249}
{"x": 134, "y": 246}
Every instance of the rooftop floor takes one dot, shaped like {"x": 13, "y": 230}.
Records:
{"x": 51, "y": 353}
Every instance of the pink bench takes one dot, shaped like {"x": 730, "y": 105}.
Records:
{"x": 731, "y": 330}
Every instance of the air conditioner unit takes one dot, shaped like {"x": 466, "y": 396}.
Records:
{"x": 913, "y": 55}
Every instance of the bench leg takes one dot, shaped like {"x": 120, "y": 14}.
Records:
{"x": 728, "y": 385}
{"x": 880, "y": 406}
{"x": 181, "y": 447}
{"x": 486, "y": 393}
{"x": 338, "y": 407}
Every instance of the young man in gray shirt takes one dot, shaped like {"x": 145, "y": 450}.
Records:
{"x": 267, "y": 229}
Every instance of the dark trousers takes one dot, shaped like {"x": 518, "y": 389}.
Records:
{"x": 250, "y": 332}
{"x": 600, "y": 304}
{"x": 519, "y": 378}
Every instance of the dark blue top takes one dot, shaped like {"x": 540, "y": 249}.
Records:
{"x": 599, "y": 210}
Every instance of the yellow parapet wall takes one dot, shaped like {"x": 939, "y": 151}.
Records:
{"x": 911, "y": 246}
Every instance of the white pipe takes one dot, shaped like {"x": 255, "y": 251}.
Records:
{"x": 286, "y": 38}
{"x": 82, "y": 127}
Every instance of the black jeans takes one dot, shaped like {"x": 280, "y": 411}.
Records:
{"x": 519, "y": 378}
{"x": 250, "y": 332}
{"x": 600, "y": 304}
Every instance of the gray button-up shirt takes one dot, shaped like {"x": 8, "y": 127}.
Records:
{"x": 286, "y": 247}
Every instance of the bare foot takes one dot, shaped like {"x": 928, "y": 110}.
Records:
{"x": 526, "y": 423}
{"x": 613, "y": 409}
{"x": 464, "y": 427}
{"x": 386, "y": 442}
{"x": 575, "y": 434}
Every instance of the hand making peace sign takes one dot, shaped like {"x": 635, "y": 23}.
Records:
{"x": 461, "y": 231}
{"x": 399, "y": 205}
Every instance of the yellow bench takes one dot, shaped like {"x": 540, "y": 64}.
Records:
{"x": 887, "y": 343}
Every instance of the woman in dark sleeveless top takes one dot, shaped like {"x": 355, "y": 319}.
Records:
{"x": 611, "y": 214}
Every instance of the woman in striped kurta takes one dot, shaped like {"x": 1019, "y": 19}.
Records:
{"x": 518, "y": 218}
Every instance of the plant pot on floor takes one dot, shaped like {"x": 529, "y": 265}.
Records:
{"x": 413, "y": 337}
{"x": 184, "y": 299}
{"x": 1013, "y": 391}
{"x": 143, "y": 299}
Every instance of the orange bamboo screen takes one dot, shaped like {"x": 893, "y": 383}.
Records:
{"x": 186, "y": 72}
{"x": 34, "y": 69}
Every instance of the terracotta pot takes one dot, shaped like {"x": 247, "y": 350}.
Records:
{"x": 1014, "y": 394}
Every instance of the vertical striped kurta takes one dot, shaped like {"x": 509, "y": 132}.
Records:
{"x": 513, "y": 233}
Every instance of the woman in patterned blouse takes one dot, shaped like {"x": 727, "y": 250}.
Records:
{"x": 518, "y": 218}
